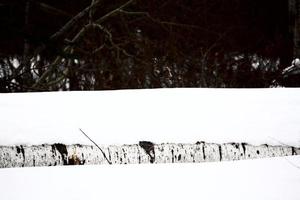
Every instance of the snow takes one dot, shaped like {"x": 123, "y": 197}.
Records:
{"x": 263, "y": 179}
{"x": 255, "y": 116}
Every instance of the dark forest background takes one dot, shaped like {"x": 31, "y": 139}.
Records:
{"x": 50, "y": 45}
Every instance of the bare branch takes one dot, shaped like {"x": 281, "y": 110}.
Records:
{"x": 278, "y": 141}
{"x": 51, "y": 67}
{"x": 96, "y": 146}
{"x": 211, "y": 47}
{"x": 293, "y": 164}
{"x": 110, "y": 38}
{"x": 92, "y": 11}
{"x": 166, "y": 22}
{"x": 25, "y": 60}
{"x": 286, "y": 145}
{"x": 134, "y": 12}
{"x": 115, "y": 11}
{"x": 98, "y": 49}
{"x": 52, "y": 10}
{"x": 73, "y": 21}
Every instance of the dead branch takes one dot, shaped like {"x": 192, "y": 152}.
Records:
{"x": 113, "y": 12}
{"x": 110, "y": 38}
{"x": 52, "y": 10}
{"x": 96, "y": 146}
{"x": 73, "y": 21}
{"x": 51, "y": 67}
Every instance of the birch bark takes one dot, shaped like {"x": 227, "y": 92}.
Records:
{"x": 60, "y": 154}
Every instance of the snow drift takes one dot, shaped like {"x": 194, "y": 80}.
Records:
{"x": 255, "y": 116}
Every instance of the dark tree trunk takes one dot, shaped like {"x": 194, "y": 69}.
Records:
{"x": 294, "y": 20}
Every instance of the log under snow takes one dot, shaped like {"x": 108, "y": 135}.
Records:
{"x": 144, "y": 152}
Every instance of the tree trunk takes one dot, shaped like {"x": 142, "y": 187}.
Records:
{"x": 144, "y": 152}
{"x": 294, "y": 25}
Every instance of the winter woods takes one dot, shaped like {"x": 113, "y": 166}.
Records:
{"x": 91, "y": 45}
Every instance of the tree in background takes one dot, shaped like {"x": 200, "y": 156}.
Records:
{"x": 49, "y": 45}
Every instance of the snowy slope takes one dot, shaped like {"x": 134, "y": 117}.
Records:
{"x": 159, "y": 115}
{"x": 264, "y": 179}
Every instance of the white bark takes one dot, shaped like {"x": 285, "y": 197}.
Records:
{"x": 59, "y": 154}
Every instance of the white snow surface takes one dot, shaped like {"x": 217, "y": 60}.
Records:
{"x": 262, "y": 179}
{"x": 256, "y": 116}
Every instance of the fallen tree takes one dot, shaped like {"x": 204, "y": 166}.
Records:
{"x": 144, "y": 152}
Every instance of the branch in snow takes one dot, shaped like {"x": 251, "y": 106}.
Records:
{"x": 104, "y": 155}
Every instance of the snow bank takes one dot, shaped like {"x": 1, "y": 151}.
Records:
{"x": 255, "y": 116}
{"x": 263, "y": 179}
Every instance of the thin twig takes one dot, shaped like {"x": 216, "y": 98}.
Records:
{"x": 51, "y": 67}
{"x": 115, "y": 11}
{"x": 72, "y": 21}
{"x": 67, "y": 27}
{"x": 91, "y": 13}
{"x": 51, "y": 9}
{"x": 26, "y": 60}
{"x": 279, "y": 141}
{"x": 96, "y": 145}
{"x": 290, "y": 162}
{"x": 110, "y": 38}
{"x": 169, "y": 23}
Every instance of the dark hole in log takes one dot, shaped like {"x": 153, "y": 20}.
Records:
{"x": 199, "y": 142}
{"x": 74, "y": 160}
{"x": 149, "y": 149}
{"x": 62, "y": 149}
{"x": 179, "y": 157}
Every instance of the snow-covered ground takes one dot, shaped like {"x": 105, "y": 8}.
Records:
{"x": 255, "y": 116}
{"x": 264, "y": 179}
